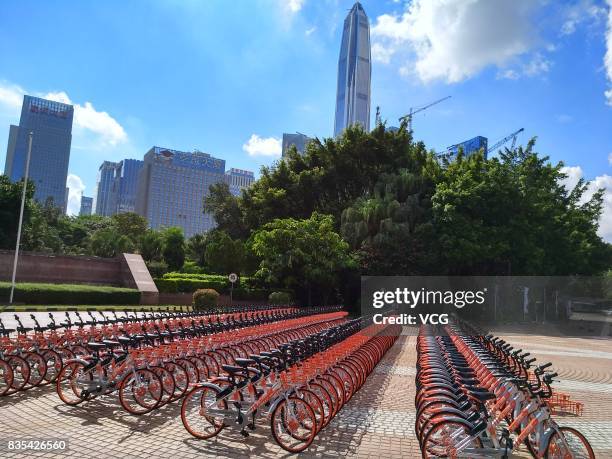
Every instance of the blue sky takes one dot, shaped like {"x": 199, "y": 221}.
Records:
{"x": 229, "y": 78}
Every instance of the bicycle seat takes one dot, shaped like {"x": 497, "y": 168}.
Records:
{"x": 96, "y": 346}
{"x": 109, "y": 343}
{"x": 243, "y": 363}
{"x": 232, "y": 369}
{"x": 125, "y": 340}
{"x": 7, "y": 331}
{"x": 482, "y": 396}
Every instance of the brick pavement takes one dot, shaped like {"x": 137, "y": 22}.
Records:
{"x": 377, "y": 422}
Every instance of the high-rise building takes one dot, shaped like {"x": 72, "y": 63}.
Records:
{"x": 107, "y": 188}
{"x": 354, "y": 72}
{"x": 51, "y": 124}
{"x": 469, "y": 147}
{"x": 238, "y": 179}
{"x": 297, "y": 139}
{"x": 128, "y": 185}
{"x": 116, "y": 187}
{"x": 171, "y": 188}
{"x": 86, "y": 205}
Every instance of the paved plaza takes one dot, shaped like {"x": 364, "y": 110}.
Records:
{"x": 377, "y": 422}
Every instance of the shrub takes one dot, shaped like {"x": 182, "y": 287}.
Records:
{"x": 279, "y": 298}
{"x": 48, "y": 294}
{"x": 157, "y": 268}
{"x": 205, "y": 299}
{"x": 181, "y": 285}
{"x": 191, "y": 267}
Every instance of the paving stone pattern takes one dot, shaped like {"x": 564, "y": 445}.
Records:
{"x": 377, "y": 422}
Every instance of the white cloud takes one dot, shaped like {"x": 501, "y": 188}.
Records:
{"x": 291, "y": 7}
{"x": 608, "y": 56}
{"x": 575, "y": 173}
{"x": 93, "y": 128}
{"x": 453, "y": 40}
{"x": 76, "y": 188}
{"x": 610, "y": 159}
{"x": 580, "y": 12}
{"x": 310, "y": 31}
{"x": 263, "y": 146}
{"x": 538, "y": 65}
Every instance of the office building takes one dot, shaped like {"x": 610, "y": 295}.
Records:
{"x": 171, "y": 188}
{"x": 107, "y": 188}
{"x": 128, "y": 185}
{"x": 238, "y": 179}
{"x": 354, "y": 72}
{"x": 116, "y": 187}
{"x": 86, "y": 206}
{"x": 469, "y": 147}
{"x": 51, "y": 125}
{"x": 299, "y": 140}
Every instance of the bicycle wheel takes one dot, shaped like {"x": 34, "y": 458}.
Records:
{"x": 38, "y": 369}
{"x": 181, "y": 379}
{"x": 191, "y": 369}
{"x": 53, "y": 361}
{"x": 316, "y": 404}
{"x": 21, "y": 372}
{"x": 443, "y": 436}
{"x": 293, "y": 424}
{"x": 168, "y": 384}
{"x": 568, "y": 442}
{"x": 6, "y": 377}
{"x": 326, "y": 401}
{"x": 202, "y": 414}
{"x": 140, "y": 391}
{"x": 72, "y": 383}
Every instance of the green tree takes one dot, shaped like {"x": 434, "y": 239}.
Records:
{"x": 174, "y": 248}
{"x": 107, "y": 243}
{"x": 151, "y": 245}
{"x": 307, "y": 255}
{"x": 225, "y": 208}
{"x": 196, "y": 249}
{"x": 224, "y": 255}
{"x": 512, "y": 215}
{"x": 10, "y": 204}
{"x": 131, "y": 225}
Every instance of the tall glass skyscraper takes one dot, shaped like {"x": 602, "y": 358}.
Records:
{"x": 51, "y": 123}
{"x": 171, "y": 188}
{"x": 354, "y": 72}
{"x": 116, "y": 187}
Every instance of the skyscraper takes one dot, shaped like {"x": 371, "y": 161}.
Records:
{"x": 51, "y": 123}
{"x": 354, "y": 72}
{"x": 86, "y": 205}
{"x": 171, "y": 188}
{"x": 128, "y": 185}
{"x": 107, "y": 188}
{"x": 116, "y": 187}
{"x": 297, "y": 139}
{"x": 238, "y": 179}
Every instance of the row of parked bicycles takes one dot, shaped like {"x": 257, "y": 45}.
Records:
{"x": 34, "y": 356}
{"x": 299, "y": 386}
{"x": 295, "y": 366}
{"x": 478, "y": 397}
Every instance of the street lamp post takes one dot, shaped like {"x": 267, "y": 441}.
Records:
{"x": 23, "y": 197}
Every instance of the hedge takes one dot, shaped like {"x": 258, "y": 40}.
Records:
{"x": 189, "y": 285}
{"x": 32, "y": 293}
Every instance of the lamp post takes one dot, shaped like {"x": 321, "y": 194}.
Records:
{"x": 23, "y": 197}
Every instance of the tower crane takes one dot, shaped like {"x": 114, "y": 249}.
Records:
{"x": 414, "y": 111}
{"x": 505, "y": 140}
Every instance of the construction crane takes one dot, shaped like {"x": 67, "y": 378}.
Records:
{"x": 504, "y": 141}
{"x": 414, "y": 111}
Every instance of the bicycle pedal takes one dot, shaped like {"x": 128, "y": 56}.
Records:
{"x": 251, "y": 425}
{"x": 244, "y": 433}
